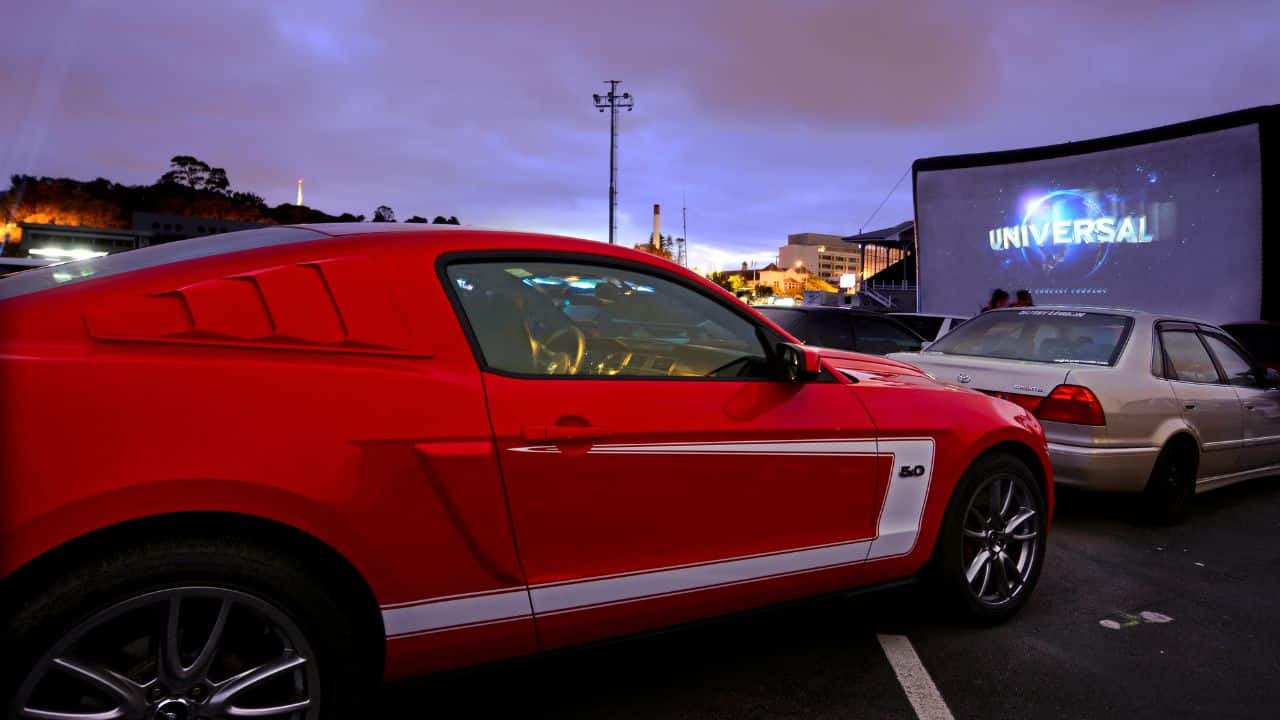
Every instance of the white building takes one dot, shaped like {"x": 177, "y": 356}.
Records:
{"x": 827, "y": 256}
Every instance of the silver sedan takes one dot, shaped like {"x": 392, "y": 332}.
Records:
{"x": 1130, "y": 401}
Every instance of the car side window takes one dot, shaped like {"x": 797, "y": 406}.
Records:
{"x": 1187, "y": 358}
{"x": 878, "y": 337}
{"x": 570, "y": 318}
{"x": 1238, "y": 369}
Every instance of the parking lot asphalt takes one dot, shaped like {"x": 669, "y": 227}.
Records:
{"x": 1129, "y": 620}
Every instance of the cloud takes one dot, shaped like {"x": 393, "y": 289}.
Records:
{"x": 766, "y": 118}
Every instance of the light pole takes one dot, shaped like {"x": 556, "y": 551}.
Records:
{"x": 613, "y": 101}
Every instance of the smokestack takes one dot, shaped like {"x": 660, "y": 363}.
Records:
{"x": 657, "y": 227}
{"x": 299, "y": 191}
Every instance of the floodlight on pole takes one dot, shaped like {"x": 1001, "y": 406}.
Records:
{"x": 613, "y": 101}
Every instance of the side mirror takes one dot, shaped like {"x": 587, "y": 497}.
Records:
{"x": 798, "y": 362}
{"x": 1271, "y": 378}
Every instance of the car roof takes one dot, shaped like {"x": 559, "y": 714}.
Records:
{"x": 181, "y": 251}
{"x": 928, "y": 315}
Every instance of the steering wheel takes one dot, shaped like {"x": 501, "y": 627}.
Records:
{"x": 553, "y": 361}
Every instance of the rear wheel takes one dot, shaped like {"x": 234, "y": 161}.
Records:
{"x": 186, "y": 629}
{"x": 992, "y": 542}
{"x": 1171, "y": 487}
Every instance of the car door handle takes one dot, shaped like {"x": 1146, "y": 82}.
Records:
{"x": 563, "y": 433}
{"x": 1189, "y": 406}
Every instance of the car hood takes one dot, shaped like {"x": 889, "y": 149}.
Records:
{"x": 852, "y": 364}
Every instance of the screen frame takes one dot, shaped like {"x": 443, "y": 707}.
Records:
{"x": 1265, "y": 117}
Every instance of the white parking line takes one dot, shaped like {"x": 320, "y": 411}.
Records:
{"x": 915, "y": 680}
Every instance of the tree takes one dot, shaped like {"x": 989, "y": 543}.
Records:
{"x": 440, "y": 220}
{"x": 732, "y": 282}
{"x": 194, "y": 173}
{"x": 248, "y": 199}
{"x": 813, "y": 282}
{"x": 666, "y": 246}
{"x": 184, "y": 170}
{"x": 384, "y": 214}
{"x": 417, "y": 219}
{"x": 764, "y": 290}
{"x": 217, "y": 180}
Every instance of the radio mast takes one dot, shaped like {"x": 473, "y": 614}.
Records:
{"x": 682, "y": 254}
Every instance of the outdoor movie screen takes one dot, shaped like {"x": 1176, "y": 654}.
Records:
{"x": 1171, "y": 226}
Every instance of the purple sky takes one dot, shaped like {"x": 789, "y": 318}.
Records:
{"x": 769, "y": 117}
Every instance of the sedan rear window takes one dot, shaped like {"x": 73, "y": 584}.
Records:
{"x": 1035, "y": 335}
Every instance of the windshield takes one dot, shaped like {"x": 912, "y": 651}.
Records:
{"x": 1035, "y": 335}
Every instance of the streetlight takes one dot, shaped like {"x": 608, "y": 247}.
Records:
{"x": 613, "y": 101}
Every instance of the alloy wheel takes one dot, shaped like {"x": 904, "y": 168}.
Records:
{"x": 177, "y": 654}
{"x": 1001, "y": 533}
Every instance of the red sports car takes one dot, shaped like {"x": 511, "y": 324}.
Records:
{"x": 254, "y": 473}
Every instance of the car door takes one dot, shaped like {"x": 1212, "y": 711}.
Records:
{"x": 655, "y": 468}
{"x": 1260, "y": 402}
{"x": 1209, "y": 404}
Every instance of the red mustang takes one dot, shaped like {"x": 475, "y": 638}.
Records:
{"x": 251, "y": 474}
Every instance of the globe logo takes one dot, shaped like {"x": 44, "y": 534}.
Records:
{"x": 1078, "y": 260}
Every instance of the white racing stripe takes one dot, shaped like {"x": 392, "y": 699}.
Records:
{"x": 897, "y": 531}
{"x": 577, "y": 595}
{"x": 815, "y": 448}
{"x": 914, "y": 679}
{"x": 903, "y": 507}
{"x": 446, "y": 613}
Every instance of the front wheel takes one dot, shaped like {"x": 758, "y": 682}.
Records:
{"x": 992, "y": 542}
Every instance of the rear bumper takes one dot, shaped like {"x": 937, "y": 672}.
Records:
{"x": 1104, "y": 469}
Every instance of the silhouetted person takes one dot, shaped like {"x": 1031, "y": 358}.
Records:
{"x": 1022, "y": 299}
{"x": 999, "y": 299}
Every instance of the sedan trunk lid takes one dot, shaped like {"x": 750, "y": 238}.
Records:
{"x": 990, "y": 375}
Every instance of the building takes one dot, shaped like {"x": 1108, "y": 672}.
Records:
{"x": 782, "y": 280}
{"x": 73, "y": 242}
{"x": 884, "y": 247}
{"x": 167, "y": 228}
{"x": 871, "y": 268}
{"x": 830, "y": 257}
{"x": 888, "y": 268}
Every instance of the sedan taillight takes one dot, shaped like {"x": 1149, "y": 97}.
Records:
{"x": 1072, "y": 404}
{"x": 1030, "y": 403}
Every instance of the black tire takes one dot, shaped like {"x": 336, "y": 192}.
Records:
{"x": 955, "y": 552}
{"x": 1172, "y": 486}
{"x": 343, "y": 661}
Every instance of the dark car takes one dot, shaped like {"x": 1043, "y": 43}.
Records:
{"x": 845, "y": 329}
{"x": 1260, "y": 338}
